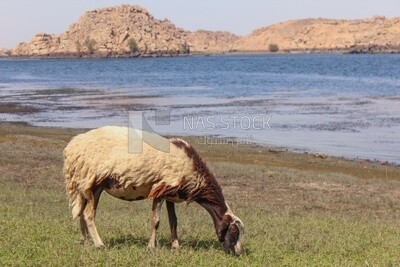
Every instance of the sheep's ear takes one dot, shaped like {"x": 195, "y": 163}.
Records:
{"x": 223, "y": 227}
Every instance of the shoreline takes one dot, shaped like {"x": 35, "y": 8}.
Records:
{"x": 14, "y": 112}
{"x": 269, "y": 156}
{"x": 163, "y": 54}
{"x": 302, "y": 120}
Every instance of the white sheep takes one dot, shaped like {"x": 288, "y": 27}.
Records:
{"x": 99, "y": 160}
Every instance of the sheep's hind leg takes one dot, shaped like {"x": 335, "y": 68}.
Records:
{"x": 84, "y": 230}
{"x": 155, "y": 221}
{"x": 173, "y": 223}
{"x": 89, "y": 215}
{"x": 83, "y": 225}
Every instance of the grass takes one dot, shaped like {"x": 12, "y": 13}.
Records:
{"x": 298, "y": 211}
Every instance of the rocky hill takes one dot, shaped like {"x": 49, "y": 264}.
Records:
{"x": 119, "y": 31}
{"x": 325, "y": 35}
{"x": 211, "y": 42}
{"x": 130, "y": 31}
{"x": 3, "y": 52}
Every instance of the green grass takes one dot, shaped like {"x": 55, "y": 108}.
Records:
{"x": 36, "y": 229}
{"x": 292, "y": 217}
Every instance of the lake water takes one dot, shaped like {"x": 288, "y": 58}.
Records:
{"x": 344, "y": 105}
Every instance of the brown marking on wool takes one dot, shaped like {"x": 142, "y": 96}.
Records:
{"x": 223, "y": 226}
{"x": 159, "y": 190}
{"x": 112, "y": 183}
{"x": 198, "y": 164}
{"x": 182, "y": 195}
{"x": 211, "y": 191}
{"x": 165, "y": 190}
{"x": 179, "y": 143}
{"x": 101, "y": 181}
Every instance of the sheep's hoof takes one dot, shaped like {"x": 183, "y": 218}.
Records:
{"x": 175, "y": 244}
{"x": 99, "y": 246}
{"x": 151, "y": 246}
{"x": 85, "y": 241}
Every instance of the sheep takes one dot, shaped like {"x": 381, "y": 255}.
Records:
{"x": 98, "y": 161}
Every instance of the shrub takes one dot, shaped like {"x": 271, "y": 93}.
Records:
{"x": 183, "y": 48}
{"x": 132, "y": 45}
{"x": 273, "y": 48}
{"x": 90, "y": 43}
{"x": 8, "y": 53}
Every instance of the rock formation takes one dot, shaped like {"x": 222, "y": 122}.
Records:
{"x": 325, "y": 35}
{"x": 3, "y": 52}
{"x": 119, "y": 31}
{"x": 211, "y": 42}
{"x": 130, "y": 31}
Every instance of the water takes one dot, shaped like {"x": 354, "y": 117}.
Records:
{"x": 344, "y": 105}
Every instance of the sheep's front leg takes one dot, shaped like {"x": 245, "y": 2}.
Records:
{"x": 155, "y": 221}
{"x": 173, "y": 223}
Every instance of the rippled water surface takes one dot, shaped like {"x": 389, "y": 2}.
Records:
{"x": 345, "y": 105}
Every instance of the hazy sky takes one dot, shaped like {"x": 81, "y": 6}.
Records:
{"x": 21, "y": 19}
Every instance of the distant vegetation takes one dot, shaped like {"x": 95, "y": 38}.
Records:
{"x": 133, "y": 47}
{"x": 273, "y": 48}
{"x": 90, "y": 43}
{"x": 183, "y": 48}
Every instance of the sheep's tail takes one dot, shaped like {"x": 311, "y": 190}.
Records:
{"x": 77, "y": 201}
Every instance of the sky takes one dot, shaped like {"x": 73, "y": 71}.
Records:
{"x": 20, "y": 20}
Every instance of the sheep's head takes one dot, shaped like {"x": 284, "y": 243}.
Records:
{"x": 231, "y": 234}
